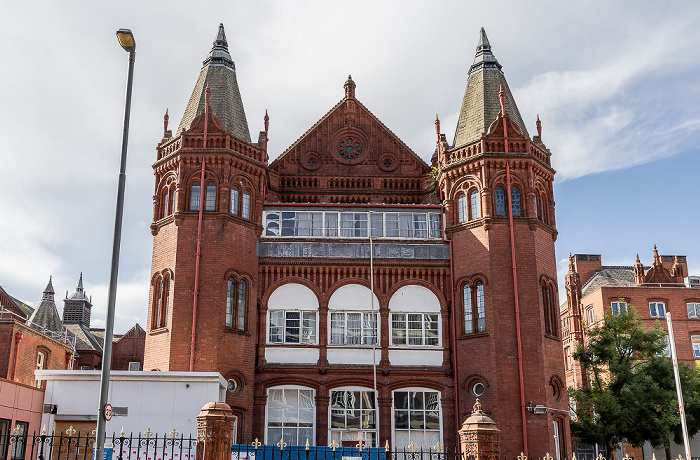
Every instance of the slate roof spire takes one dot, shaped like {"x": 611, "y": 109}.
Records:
{"x": 45, "y": 317}
{"x": 219, "y": 72}
{"x": 481, "y": 105}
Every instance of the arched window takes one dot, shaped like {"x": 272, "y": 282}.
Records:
{"x": 474, "y": 204}
{"x": 161, "y": 290}
{"x": 194, "y": 196}
{"x": 462, "y": 207}
{"x": 474, "y": 308}
{"x": 551, "y": 319}
{"x": 230, "y": 299}
{"x": 234, "y": 200}
{"x": 210, "y": 197}
{"x": 246, "y": 204}
{"x": 242, "y": 296}
{"x": 515, "y": 200}
{"x": 538, "y": 208}
{"x": 166, "y": 202}
{"x": 500, "y": 197}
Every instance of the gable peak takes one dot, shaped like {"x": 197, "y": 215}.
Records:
{"x": 349, "y": 88}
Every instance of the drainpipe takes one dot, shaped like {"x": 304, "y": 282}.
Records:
{"x": 515, "y": 295}
{"x": 454, "y": 327}
{"x": 18, "y": 339}
{"x": 199, "y": 236}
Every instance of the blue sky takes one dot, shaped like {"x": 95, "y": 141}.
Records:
{"x": 615, "y": 84}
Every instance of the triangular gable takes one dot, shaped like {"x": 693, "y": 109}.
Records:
{"x": 350, "y": 140}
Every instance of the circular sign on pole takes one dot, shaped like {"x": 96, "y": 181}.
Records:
{"x": 108, "y": 412}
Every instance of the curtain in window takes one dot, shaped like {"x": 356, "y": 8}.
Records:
{"x": 500, "y": 197}
{"x": 242, "y": 293}
{"x": 475, "y": 204}
{"x": 290, "y": 416}
{"x": 234, "y": 200}
{"x": 462, "y": 207}
{"x": 194, "y": 196}
{"x": 210, "y": 197}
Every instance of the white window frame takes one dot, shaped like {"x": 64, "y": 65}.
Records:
{"x": 591, "y": 315}
{"x": 657, "y": 309}
{"x": 366, "y": 334}
{"x": 402, "y": 442}
{"x": 407, "y": 329}
{"x": 301, "y": 442}
{"x": 137, "y": 366}
{"x": 693, "y": 310}
{"x": 618, "y": 307}
{"x": 303, "y": 316}
{"x": 353, "y": 434}
{"x": 40, "y": 364}
{"x": 695, "y": 342}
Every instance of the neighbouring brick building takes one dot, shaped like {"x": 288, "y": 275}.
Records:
{"x": 264, "y": 271}
{"x": 594, "y": 290}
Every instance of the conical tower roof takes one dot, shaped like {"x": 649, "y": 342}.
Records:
{"x": 46, "y": 317}
{"x": 481, "y": 106}
{"x": 219, "y": 72}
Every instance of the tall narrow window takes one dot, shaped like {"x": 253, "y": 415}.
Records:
{"x": 230, "y": 299}
{"x": 550, "y": 310}
{"x": 462, "y": 207}
{"x": 40, "y": 363}
{"x": 475, "y": 207}
{"x": 166, "y": 203}
{"x": 210, "y": 197}
{"x": 500, "y": 197}
{"x": 515, "y": 200}
{"x": 246, "y": 204}
{"x": 4, "y": 436}
{"x": 234, "y": 200}
{"x": 166, "y": 292}
{"x": 242, "y": 294}
{"x": 468, "y": 323}
{"x": 159, "y": 303}
{"x": 480, "y": 307}
{"x": 20, "y": 441}
{"x": 194, "y": 196}
{"x": 474, "y": 308}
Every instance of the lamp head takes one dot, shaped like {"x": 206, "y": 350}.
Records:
{"x": 126, "y": 40}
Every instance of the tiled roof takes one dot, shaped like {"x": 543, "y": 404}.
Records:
{"x": 481, "y": 105}
{"x": 46, "y": 316}
{"x": 609, "y": 276}
{"x": 219, "y": 73}
{"x": 85, "y": 339}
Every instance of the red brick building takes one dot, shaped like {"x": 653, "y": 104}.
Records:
{"x": 350, "y": 257}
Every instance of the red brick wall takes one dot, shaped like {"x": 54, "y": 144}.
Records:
{"x": 129, "y": 348}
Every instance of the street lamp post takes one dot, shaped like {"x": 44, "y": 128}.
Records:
{"x": 126, "y": 40}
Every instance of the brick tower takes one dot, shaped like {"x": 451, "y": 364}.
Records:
{"x": 206, "y": 219}
{"x": 508, "y": 345}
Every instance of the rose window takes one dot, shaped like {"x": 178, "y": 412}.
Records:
{"x": 349, "y": 149}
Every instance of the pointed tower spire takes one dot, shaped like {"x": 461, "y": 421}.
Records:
{"x": 48, "y": 291}
{"x": 539, "y": 127}
{"x": 657, "y": 257}
{"x": 219, "y": 72}
{"x": 80, "y": 284}
{"x": 480, "y": 106}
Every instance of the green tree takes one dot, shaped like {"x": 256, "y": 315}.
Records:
{"x": 629, "y": 396}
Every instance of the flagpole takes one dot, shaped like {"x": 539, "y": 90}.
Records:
{"x": 679, "y": 392}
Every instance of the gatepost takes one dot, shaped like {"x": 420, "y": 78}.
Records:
{"x": 479, "y": 438}
{"x": 215, "y": 432}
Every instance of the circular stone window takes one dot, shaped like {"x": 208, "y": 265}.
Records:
{"x": 349, "y": 149}
{"x": 311, "y": 161}
{"x": 231, "y": 385}
{"x": 478, "y": 389}
{"x": 388, "y": 162}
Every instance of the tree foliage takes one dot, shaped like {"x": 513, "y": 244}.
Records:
{"x": 631, "y": 394}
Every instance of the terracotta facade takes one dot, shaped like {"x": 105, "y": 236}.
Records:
{"x": 278, "y": 265}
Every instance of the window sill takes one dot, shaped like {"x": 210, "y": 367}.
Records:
{"x": 160, "y": 330}
{"x": 362, "y": 347}
{"x": 302, "y": 345}
{"x": 234, "y": 330}
{"x": 553, "y": 337}
{"x": 474, "y": 335}
{"x": 415, "y": 347}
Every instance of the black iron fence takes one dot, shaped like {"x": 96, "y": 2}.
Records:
{"x": 80, "y": 446}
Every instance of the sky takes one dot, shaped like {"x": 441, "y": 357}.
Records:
{"x": 614, "y": 83}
